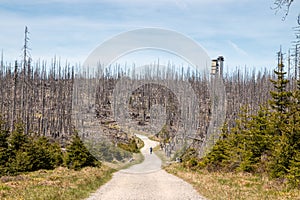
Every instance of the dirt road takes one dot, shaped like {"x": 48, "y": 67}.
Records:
{"x": 145, "y": 181}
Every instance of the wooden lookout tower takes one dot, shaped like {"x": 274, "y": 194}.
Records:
{"x": 217, "y": 66}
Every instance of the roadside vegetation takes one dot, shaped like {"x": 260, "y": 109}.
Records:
{"x": 41, "y": 157}
{"x": 20, "y": 152}
{"x": 33, "y": 167}
{"x": 36, "y": 167}
{"x": 220, "y": 185}
{"x": 258, "y": 158}
{"x": 60, "y": 183}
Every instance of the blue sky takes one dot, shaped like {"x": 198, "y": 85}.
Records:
{"x": 246, "y": 32}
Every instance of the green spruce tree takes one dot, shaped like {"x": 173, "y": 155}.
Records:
{"x": 44, "y": 154}
{"x": 285, "y": 120}
{"x": 78, "y": 155}
{"x": 18, "y": 144}
{"x": 280, "y": 96}
{"x": 4, "y": 153}
{"x": 294, "y": 138}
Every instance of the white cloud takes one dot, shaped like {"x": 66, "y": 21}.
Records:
{"x": 233, "y": 28}
{"x": 238, "y": 50}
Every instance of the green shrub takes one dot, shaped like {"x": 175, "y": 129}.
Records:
{"x": 131, "y": 146}
{"x": 78, "y": 156}
{"x": 25, "y": 153}
{"x": 21, "y": 162}
{"x": 18, "y": 145}
{"x": 4, "y": 152}
{"x": 44, "y": 154}
{"x": 17, "y": 139}
{"x": 294, "y": 171}
{"x": 192, "y": 163}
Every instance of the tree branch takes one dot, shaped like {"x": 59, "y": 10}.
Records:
{"x": 281, "y": 4}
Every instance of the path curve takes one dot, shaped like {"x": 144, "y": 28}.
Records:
{"x": 146, "y": 181}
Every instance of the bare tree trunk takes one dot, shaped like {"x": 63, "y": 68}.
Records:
{"x": 14, "y": 96}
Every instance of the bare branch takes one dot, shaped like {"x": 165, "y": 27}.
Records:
{"x": 282, "y": 4}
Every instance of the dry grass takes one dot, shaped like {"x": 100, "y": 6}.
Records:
{"x": 161, "y": 154}
{"x": 216, "y": 185}
{"x": 154, "y": 138}
{"x": 60, "y": 183}
{"x": 137, "y": 158}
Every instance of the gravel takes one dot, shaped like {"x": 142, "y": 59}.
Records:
{"x": 146, "y": 181}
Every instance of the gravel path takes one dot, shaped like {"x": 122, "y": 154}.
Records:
{"x": 145, "y": 181}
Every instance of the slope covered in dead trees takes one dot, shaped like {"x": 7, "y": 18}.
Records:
{"x": 265, "y": 142}
{"x": 41, "y": 97}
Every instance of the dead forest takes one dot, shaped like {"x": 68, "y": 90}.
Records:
{"x": 242, "y": 89}
{"x": 56, "y": 99}
{"x": 41, "y": 97}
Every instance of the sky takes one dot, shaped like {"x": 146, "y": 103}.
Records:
{"x": 248, "y": 33}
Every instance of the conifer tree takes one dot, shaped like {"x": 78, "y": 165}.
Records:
{"x": 44, "y": 154}
{"x": 294, "y": 128}
{"x": 4, "y": 153}
{"x": 78, "y": 155}
{"x": 280, "y": 103}
{"x": 17, "y": 139}
{"x": 256, "y": 141}
{"x": 287, "y": 142}
{"x": 280, "y": 97}
{"x": 19, "y": 160}
{"x": 265, "y": 142}
{"x": 27, "y": 153}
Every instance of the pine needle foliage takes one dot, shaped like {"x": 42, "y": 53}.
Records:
{"x": 20, "y": 152}
{"x": 267, "y": 142}
{"x": 78, "y": 156}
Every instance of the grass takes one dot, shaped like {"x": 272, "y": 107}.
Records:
{"x": 60, "y": 183}
{"x": 161, "y": 154}
{"x": 216, "y": 185}
{"x": 137, "y": 159}
{"x": 154, "y": 138}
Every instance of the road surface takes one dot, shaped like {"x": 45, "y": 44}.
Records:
{"x": 145, "y": 181}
